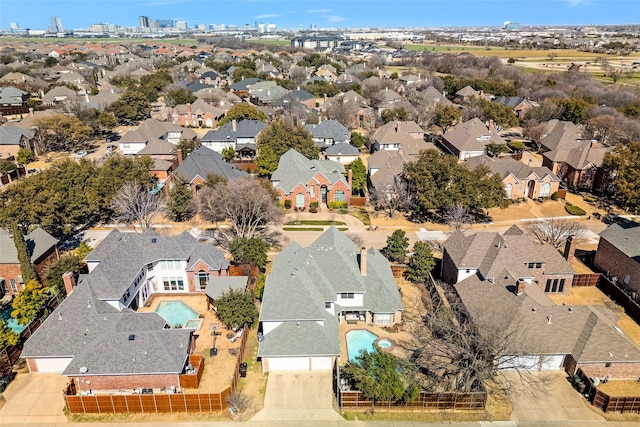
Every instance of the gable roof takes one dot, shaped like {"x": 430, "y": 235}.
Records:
{"x": 329, "y": 129}
{"x": 244, "y": 129}
{"x": 505, "y": 166}
{"x": 39, "y": 242}
{"x": 294, "y": 168}
{"x": 625, "y": 238}
{"x": 12, "y": 135}
{"x": 472, "y": 135}
{"x": 152, "y": 129}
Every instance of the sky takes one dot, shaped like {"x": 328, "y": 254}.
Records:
{"x": 301, "y": 14}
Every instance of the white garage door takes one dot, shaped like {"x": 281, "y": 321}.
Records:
{"x": 552, "y": 363}
{"x": 321, "y": 363}
{"x": 522, "y": 362}
{"x": 288, "y": 364}
{"x": 52, "y": 365}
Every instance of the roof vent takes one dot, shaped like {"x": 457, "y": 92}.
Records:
{"x": 132, "y": 337}
{"x": 59, "y": 316}
{"x": 548, "y": 319}
{"x": 84, "y": 370}
{"x": 534, "y": 309}
{"x": 570, "y": 309}
{"x": 297, "y": 324}
{"x": 88, "y": 303}
{"x": 154, "y": 240}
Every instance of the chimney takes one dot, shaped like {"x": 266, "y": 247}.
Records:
{"x": 594, "y": 143}
{"x": 491, "y": 127}
{"x": 400, "y": 152}
{"x": 31, "y": 111}
{"x": 569, "y": 249}
{"x": 69, "y": 282}
{"x": 234, "y": 125}
{"x": 363, "y": 261}
{"x": 350, "y": 178}
{"x": 179, "y": 156}
{"x": 520, "y": 285}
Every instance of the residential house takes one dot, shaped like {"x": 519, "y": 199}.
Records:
{"x": 96, "y": 338}
{"x": 42, "y": 248}
{"x": 301, "y": 96}
{"x": 217, "y": 97}
{"x": 12, "y": 99}
{"x": 265, "y": 92}
{"x": 343, "y": 153}
{"x": 576, "y": 161}
{"x": 311, "y": 290}
{"x": 396, "y": 135}
{"x": 220, "y": 285}
{"x": 432, "y": 98}
{"x": 467, "y": 93}
{"x": 241, "y": 88}
{"x": 197, "y": 114}
{"x": 13, "y": 138}
{"x": 327, "y": 133}
{"x": 200, "y": 163}
{"x": 156, "y": 132}
{"x": 302, "y": 181}
{"x": 470, "y": 138}
{"x": 520, "y": 180}
{"x": 518, "y": 104}
{"x": 385, "y": 172}
{"x": 235, "y": 134}
{"x": 361, "y": 115}
{"x": 59, "y": 95}
{"x": 618, "y": 254}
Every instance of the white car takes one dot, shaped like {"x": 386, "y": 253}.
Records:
{"x": 81, "y": 154}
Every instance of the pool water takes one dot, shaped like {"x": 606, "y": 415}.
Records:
{"x": 176, "y": 313}
{"x": 193, "y": 324}
{"x": 384, "y": 343}
{"x": 358, "y": 341}
{"x": 5, "y": 315}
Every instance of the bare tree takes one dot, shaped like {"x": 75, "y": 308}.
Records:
{"x": 457, "y": 217}
{"x": 393, "y": 197}
{"x": 246, "y": 204}
{"x": 534, "y": 130}
{"x": 135, "y": 204}
{"x": 343, "y": 111}
{"x": 554, "y": 231}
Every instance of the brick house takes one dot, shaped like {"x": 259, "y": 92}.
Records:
{"x": 302, "y": 181}
{"x": 470, "y": 139}
{"x": 503, "y": 281}
{"x": 13, "y": 138}
{"x": 520, "y": 180}
{"x": 199, "y": 114}
{"x": 97, "y": 327}
{"x": 42, "y": 247}
{"x": 361, "y": 115}
{"x": 618, "y": 254}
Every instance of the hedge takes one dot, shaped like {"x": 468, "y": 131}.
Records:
{"x": 574, "y": 210}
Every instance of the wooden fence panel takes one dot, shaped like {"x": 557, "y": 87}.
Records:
{"x": 427, "y": 402}
{"x": 580, "y": 280}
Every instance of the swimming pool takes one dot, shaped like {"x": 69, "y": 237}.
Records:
{"x": 5, "y": 315}
{"x": 360, "y": 340}
{"x": 176, "y": 313}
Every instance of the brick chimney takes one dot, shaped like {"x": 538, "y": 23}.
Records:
{"x": 491, "y": 126}
{"x": 179, "y": 156}
{"x": 520, "y": 285}
{"x": 188, "y": 114}
{"x": 363, "y": 261}
{"x": 569, "y": 249}
{"x": 69, "y": 282}
{"x": 31, "y": 111}
{"x": 234, "y": 125}
{"x": 350, "y": 178}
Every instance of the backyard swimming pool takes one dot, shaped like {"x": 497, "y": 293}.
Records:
{"x": 176, "y": 313}
{"x": 5, "y": 315}
{"x": 360, "y": 340}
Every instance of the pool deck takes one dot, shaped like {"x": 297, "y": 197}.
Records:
{"x": 401, "y": 340}
{"x": 219, "y": 369}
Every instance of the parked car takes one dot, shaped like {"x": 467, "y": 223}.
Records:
{"x": 111, "y": 148}
{"x": 113, "y": 137}
{"x": 81, "y": 154}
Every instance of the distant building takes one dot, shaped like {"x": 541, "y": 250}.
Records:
{"x": 56, "y": 25}
{"x": 144, "y": 22}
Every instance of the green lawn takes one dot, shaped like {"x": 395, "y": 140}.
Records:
{"x": 271, "y": 42}
{"x": 314, "y": 222}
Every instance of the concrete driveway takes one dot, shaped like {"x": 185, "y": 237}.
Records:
{"x": 552, "y": 400}
{"x": 298, "y": 396}
{"x": 34, "y": 399}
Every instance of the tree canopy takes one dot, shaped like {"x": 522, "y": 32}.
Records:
{"x": 624, "y": 162}
{"x": 358, "y": 178}
{"x": 29, "y": 301}
{"x": 56, "y": 268}
{"x": 397, "y": 246}
{"x": 60, "y": 132}
{"x": 421, "y": 262}
{"x": 278, "y": 138}
{"x": 236, "y": 308}
{"x": 27, "y": 270}
{"x": 180, "y": 205}
{"x": 251, "y": 251}
{"x": 243, "y": 111}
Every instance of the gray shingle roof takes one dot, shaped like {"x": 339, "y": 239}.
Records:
{"x": 11, "y": 135}
{"x": 218, "y": 285}
{"x": 244, "y": 129}
{"x": 625, "y": 239}
{"x": 294, "y": 169}
{"x": 122, "y": 255}
{"x": 39, "y": 242}
{"x": 342, "y": 148}
{"x": 472, "y": 135}
{"x": 329, "y": 130}
{"x": 202, "y": 161}
{"x": 506, "y": 166}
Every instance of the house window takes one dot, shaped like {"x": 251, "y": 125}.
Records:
{"x": 14, "y": 287}
{"x": 338, "y": 196}
{"x": 173, "y": 284}
{"x": 299, "y": 200}
{"x": 170, "y": 265}
{"x": 202, "y": 279}
{"x": 538, "y": 265}
{"x": 547, "y": 287}
{"x": 347, "y": 295}
{"x": 150, "y": 266}
{"x": 627, "y": 278}
{"x": 312, "y": 191}
{"x": 554, "y": 285}
{"x": 545, "y": 190}
{"x": 383, "y": 319}
{"x": 561, "y": 285}
{"x": 508, "y": 189}
{"x": 327, "y": 304}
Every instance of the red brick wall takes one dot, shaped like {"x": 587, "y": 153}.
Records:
{"x": 126, "y": 382}
{"x": 201, "y": 265}
{"x": 31, "y": 363}
{"x": 620, "y": 370}
{"x": 612, "y": 261}
{"x": 44, "y": 260}
{"x": 10, "y": 272}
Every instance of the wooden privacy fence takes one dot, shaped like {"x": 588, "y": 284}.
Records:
{"x": 193, "y": 380}
{"x": 10, "y": 354}
{"x": 158, "y": 403}
{"x": 426, "y": 402}
{"x": 398, "y": 270}
{"x": 585, "y": 279}
{"x": 606, "y": 403}
{"x": 620, "y": 296}
{"x": 358, "y": 201}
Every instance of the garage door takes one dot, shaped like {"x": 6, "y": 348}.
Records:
{"x": 523, "y": 362}
{"x": 321, "y": 363}
{"x": 288, "y": 364}
{"x": 52, "y": 365}
{"x": 552, "y": 363}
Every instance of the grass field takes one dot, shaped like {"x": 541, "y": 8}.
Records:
{"x": 271, "y": 42}
{"x": 523, "y": 54}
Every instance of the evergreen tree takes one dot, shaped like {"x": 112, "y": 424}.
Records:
{"x": 397, "y": 246}
{"x": 276, "y": 139}
{"x": 55, "y": 269}
{"x": 251, "y": 251}
{"x": 26, "y": 268}
{"x": 358, "y": 178}
{"x": 421, "y": 262}
{"x": 236, "y": 308}
{"x": 180, "y": 204}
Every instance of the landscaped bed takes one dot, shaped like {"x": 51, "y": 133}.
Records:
{"x": 310, "y": 228}
{"x": 620, "y": 387}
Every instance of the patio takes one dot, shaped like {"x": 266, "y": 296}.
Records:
{"x": 218, "y": 369}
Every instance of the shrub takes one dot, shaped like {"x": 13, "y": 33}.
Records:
{"x": 555, "y": 196}
{"x": 313, "y": 209}
{"x": 287, "y": 204}
{"x": 337, "y": 205}
{"x": 574, "y": 210}
{"x": 313, "y": 204}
